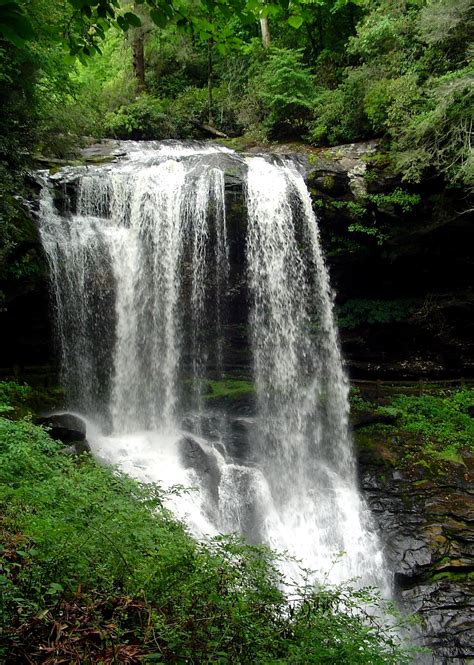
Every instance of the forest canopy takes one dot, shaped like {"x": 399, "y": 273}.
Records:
{"x": 320, "y": 71}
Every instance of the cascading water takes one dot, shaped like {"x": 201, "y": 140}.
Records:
{"x": 142, "y": 278}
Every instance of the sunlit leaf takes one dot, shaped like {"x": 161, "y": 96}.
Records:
{"x": 295, "y": 20}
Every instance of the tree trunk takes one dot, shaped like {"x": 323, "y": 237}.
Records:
{"x": 265, "y": 28}
{"x": 138, "y": 58}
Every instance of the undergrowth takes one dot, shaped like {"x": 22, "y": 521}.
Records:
{"x": 95, "y": 569}
{"x": 444, "y": 422}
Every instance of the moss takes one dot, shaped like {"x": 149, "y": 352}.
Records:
{"x": 450, "y": 454}
{"x": 371, "y": 443}
{"x": 378, "y": 160}
{"x": 460, "y": 575}
{"x": 329, "y": 182}
{"x": 230, "y": 388}
{"x": 430, "y": 431}
{"x": 421, "y": 484}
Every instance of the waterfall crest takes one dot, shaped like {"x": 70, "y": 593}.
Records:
{"x": 143, "y": 269}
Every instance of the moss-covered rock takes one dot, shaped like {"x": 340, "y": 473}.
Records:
{"x": 424, "y": 508}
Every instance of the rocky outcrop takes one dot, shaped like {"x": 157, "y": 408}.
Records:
{"x": 425, "y": 513}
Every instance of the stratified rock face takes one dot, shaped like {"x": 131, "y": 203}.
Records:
{"x": 426, "y": 518}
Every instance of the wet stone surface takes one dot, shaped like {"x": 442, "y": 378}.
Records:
{"x": 426, "y": 519}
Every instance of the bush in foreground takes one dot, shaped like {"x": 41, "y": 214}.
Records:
{"x": 95, "y": 569}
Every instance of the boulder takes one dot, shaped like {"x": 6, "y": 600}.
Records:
{"x": 64, "y": 427}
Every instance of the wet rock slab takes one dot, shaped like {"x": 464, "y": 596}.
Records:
{"x": 426, "y": 519}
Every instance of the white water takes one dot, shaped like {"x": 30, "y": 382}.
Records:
{"x": 141, "y": 277}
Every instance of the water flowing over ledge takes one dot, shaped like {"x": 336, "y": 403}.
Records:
{"x": 144, "y": 267}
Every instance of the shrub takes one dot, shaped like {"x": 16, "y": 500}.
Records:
{"x": 145, "y": 118}
{"x": 339, "y": 115}
{"x": 191, "y": 108}
{"x": 93, "y": 568}
{"x": 439, "y": 134}
{"x": 280, "y": 94}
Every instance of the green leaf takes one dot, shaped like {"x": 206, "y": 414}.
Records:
{"x": 295, "y": 21}
{"x": 122, "y": 23}
{"x": 158, "y": 18}
{"x": 133, "y": 19}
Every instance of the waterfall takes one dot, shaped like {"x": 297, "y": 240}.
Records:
{"x": 144, "y": 268}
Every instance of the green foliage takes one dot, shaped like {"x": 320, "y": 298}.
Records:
{"x": 439, "y": 135}
{"x": 359, "y": 69}
{"x": 399, "y": 197}
{"x": 191, "y": 109}
{"x": 145, "y": 118}
{"x": 339, "y": 115}
{"x": 410, "y": 81}
{"x": 14, "y": 23}
{"x": 439, "y": 419}
{"x": 354, "y": 313}
{"x": 284, "y": 87}
{"x": 357, "y": 402}
{"x": 91, "y": 550}
{"x": 12, "y": 395}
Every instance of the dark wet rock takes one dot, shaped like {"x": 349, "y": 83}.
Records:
{"x": 445, "y": 608}
{"x": 78, "y": 448}
{"x": 194, "y": 455}
{"x": 340, "y": 170}
{"x": 425, "y": 513}
{"x": 64, "y": 427}
{"x": 365, "y": 418}
{"x": 69, "y": 429}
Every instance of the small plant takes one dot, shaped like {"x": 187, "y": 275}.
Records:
{"x": 401, "y": 198}
{"x": 12, "y": 395}
{"x": 354, "y": 313}
{"x": 436, "y": 428}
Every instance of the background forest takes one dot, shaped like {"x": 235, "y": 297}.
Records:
{"x": 323, "y": 72}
